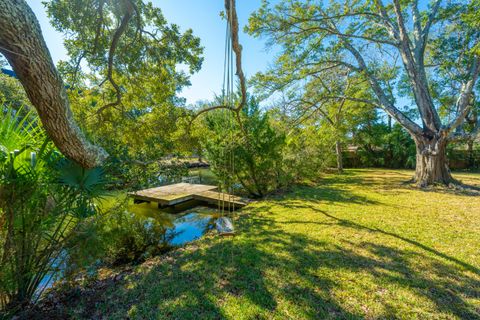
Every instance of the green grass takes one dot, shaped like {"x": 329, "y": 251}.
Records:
{"x": 362, "y": 245}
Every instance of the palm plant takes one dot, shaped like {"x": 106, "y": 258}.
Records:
{"x": 43, "y": 197}
{"x": 18, "y": 133}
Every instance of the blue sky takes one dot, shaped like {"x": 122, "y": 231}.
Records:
{"x": 203, "y": 17}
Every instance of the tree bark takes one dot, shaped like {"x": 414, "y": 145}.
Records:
{"x": 22, "y": 43}
{"x": 338, "y": 151}
{"x": 432, "y": 165}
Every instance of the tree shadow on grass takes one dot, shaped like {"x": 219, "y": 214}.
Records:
{"x": 237, "y": 269}
{"x": 396, "y": 182}
{"x": 326, "y": 194}
{"x": 351, "y": 224}
{"x": 337, "y": 189}
{"x": 270, "y": 270}
{"x": 268, "y": 265}
{"x": 381, "y": 178}
{"x": 458, "y": 189}
{"x": 451, "y": 285}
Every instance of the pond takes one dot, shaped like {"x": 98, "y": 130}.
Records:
{"x": 169, "y": 229}
{"x": 181, "y": 227}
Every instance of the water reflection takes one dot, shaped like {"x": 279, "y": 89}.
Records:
{"x": 191, "y": 226}
{"x": 163, "y": 230}
{"x": 181, "y": 227}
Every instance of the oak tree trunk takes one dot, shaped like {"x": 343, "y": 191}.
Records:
{"x": 338, "y": 151}
{"x": 22, "y": 43}
{"x": 432, "y": 165}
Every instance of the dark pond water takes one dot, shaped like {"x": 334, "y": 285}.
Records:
{"x": 179, "y": 228}
{"x": 170, "y": 229}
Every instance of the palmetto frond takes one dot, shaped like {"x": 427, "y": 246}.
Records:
{"x": 19, "y": 132}
{"x": 86, "y": 181}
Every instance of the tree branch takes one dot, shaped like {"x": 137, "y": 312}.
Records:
{"x": 198, "y": 114}
{"x": 417, "y": 25}
{"x": 101, "y": 3}
{"x": 21, "y": 33}
{"x": 237, "y": 48}
{"x": 393, "y": 30}
{"x": 332, "y": 32}
{"x": 129, "y": 9}
{"x": 416, "y": 72}
{"x": 318, "y": 107}
{"x": 462, "y": 136}
{"x": 428, "y": 24}
{"x": 77, "y": 68}
{"x": 384, "y": 102}
{"x": 463, "y": 101}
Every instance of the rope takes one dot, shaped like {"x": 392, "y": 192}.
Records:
{"x": 231, "y": 98}
{"x": 221, "y": 201}
{"x": 222, "y": 181}
{"x": 227, "y": 156}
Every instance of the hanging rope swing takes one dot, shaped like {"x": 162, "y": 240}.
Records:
{"x": 230, "y": 114}
{"x": 232, "y": 44}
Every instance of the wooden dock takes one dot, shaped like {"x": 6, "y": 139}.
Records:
{"x": 215, "y": 197}
{"x": 175, "y": 194}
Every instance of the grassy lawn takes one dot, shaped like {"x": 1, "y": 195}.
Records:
{"x": 362, "y": 245}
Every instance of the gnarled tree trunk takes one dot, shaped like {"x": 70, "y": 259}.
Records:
{"x": 22, "y": 43}
{"x": 432, "y": 165}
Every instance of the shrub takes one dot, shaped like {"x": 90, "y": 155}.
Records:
{"x": 308, "y": 152}
{"x": 256, "y": 148}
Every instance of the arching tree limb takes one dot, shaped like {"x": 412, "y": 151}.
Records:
{"x": 232, "y": 17}
{"x": 129, "y": 9}
{"x": 237, "y": 48}
{"x": 198, "y": 114}
{"x": 463, "y": 105}
{"x": 22, "y": 43}
{"x": 412, "y": 57}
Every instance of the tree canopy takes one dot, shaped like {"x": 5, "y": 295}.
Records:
{"x": 127, "y": 44}
{"x": 394, "y": 45}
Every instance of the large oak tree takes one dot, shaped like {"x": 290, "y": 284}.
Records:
{"x": 113, "y": 39}
{"x": 424, "y": 51}
{"x": 22, "y": 43}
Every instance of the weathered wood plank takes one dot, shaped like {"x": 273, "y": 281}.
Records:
{"x": 171, "y": 194}
{"x": 175, "y": 194}
{"x": 214, "y": 197}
